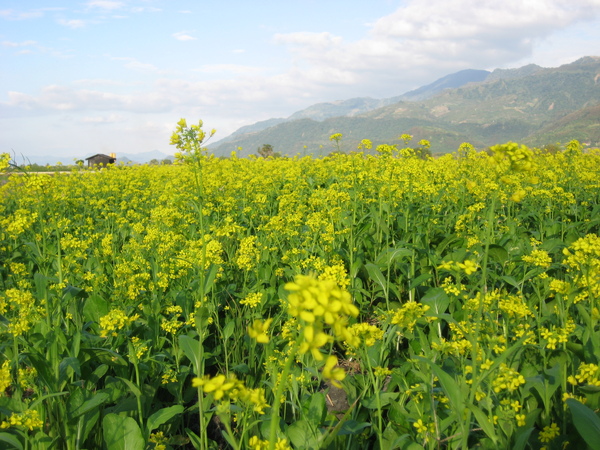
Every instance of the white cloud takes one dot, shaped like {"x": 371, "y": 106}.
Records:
{"x": 17, "y": 44}
{"x": 111, "y": 118}
{"x": 183, "y": 36}
{"x": 434, "y": 38}
{"x": 140, "y": 9}
{"x": 132, "y": 63}
{"x": 10, "y": 14}
{"x": 73, "y": 23}
{"x": 236, "y": 69}
{"x": 105, "y": 4}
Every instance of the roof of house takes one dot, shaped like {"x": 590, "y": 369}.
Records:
{"x": 99, "y": 154}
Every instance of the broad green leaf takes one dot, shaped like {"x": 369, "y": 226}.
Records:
{"x": 376, "y": 275}
{"x": 132, "y": 387}
{"x": 317, "y": 409}
{"x": 352, "y": 427}
{"x": 228, "y": 330}
{"x": 122, "y": 433}
{"x": 388, "y": 256}
{"x": 194, "y": 439}
{"x": 385, "y": 398}
{"x": 303, "y": 435}
{"x": 209, "y": 278}
{"x": 484, "y": 422}
{"x": 96, "y": 400}
{"x": 498, "y": 253}
{"x": 522, "y": 437}
{"x": 105, "y": 356}
{"x": 163, "y": 415}
{"x": 448, "y": 383}
{"x": 12, "y": 440}
{"x": 437, "y": 300}
{"x": 94, "y": 308}
{"x": 586, "y": 421}
{"x": 419, "y": 280}
{"x": 67, "y": 367}
{"x": 191, "y": 349}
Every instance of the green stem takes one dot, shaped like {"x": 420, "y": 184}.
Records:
{"x": 274, "y": 426}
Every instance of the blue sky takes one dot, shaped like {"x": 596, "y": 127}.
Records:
{"x": 101, "y": 76}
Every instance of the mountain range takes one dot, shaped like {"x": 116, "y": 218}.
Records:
{"x": 531, "y": 104}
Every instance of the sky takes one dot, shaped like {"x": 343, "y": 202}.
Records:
{"x": 103, "y": 76}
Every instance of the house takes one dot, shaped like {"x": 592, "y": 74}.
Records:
{"x": 101, "y": 160}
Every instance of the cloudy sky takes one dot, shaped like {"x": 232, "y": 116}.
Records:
{"x": 101, "y": 76}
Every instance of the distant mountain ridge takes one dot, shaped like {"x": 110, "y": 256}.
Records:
{"x": 531, "y": 104}
{"x": 359, "y": 105}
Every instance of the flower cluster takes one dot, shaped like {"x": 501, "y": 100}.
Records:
{"x": 507, "y": 379}
{"x": 114, "y": 321}
{"x": 320, "y": 303}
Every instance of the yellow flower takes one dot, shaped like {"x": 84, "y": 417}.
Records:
{"x": 5, "y": 378}
{"x": 252, "y": 300}
{"x": 219, "y": 384}
{"x": 468, "y": 266}
{"x": 313, "y": 341}
{"x": 549, "y": 433}
{"x": 332, "y": 373}
{"x": 259, "y": 329}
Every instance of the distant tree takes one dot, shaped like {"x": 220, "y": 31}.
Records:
{"x": 552, "y": 148}
{"x": 166, "y": 161}
{"x": 265, "y": 151}
{"x": 423, "y": 150}
{"x": 154, "y": 162}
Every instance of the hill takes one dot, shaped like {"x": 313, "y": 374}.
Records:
{"x": 530, "y": 104}
{"x": 353, "y": 107}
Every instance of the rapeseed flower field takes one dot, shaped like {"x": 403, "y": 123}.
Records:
{"x": 387, "y": 300}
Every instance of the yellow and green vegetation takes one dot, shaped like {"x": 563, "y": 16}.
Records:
{"x": 355, "y": 301}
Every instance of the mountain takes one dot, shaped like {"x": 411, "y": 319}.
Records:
{"x": 531, "y": 104}
{"x": 454, "y": 80}
{"x": 355, "y": 106}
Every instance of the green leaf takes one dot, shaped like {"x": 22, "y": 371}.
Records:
{"x": 122, "y": 433}
{"x": 376, "y": 275}
{"x": 586, "y": 422}
{"x": 522, "y": 437}
{"x": 105, "y": 356}
{"x": 448, "y": 383}
{"x": 317, "y": 409}
{"x": 303, "y": 435}
{"x": 96, "y": 400}
{"x": 484, "y": 422}
{"x": 385, "y": 398}
{"x": 94, "y": 308}
{"x": 163, "y": 415}
{"x": 12, "y": 440}
{"x": 498, "y": 253}
{"x": 194, "y": 439}
{"x": 419, "y": 280}
{"x": 132, "y": 387}
{"x": 228, "y": 330}
{"x": 437, "y": 300}
{"x": 352, "y": 427}
{"x": 388, "y": 256}
{"x": 67, "y": 367}
{"x": 209, "y": 278}
{"x": 191, "y": 349}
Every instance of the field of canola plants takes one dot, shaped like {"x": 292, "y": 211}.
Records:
{"x": 354, "y": 301}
